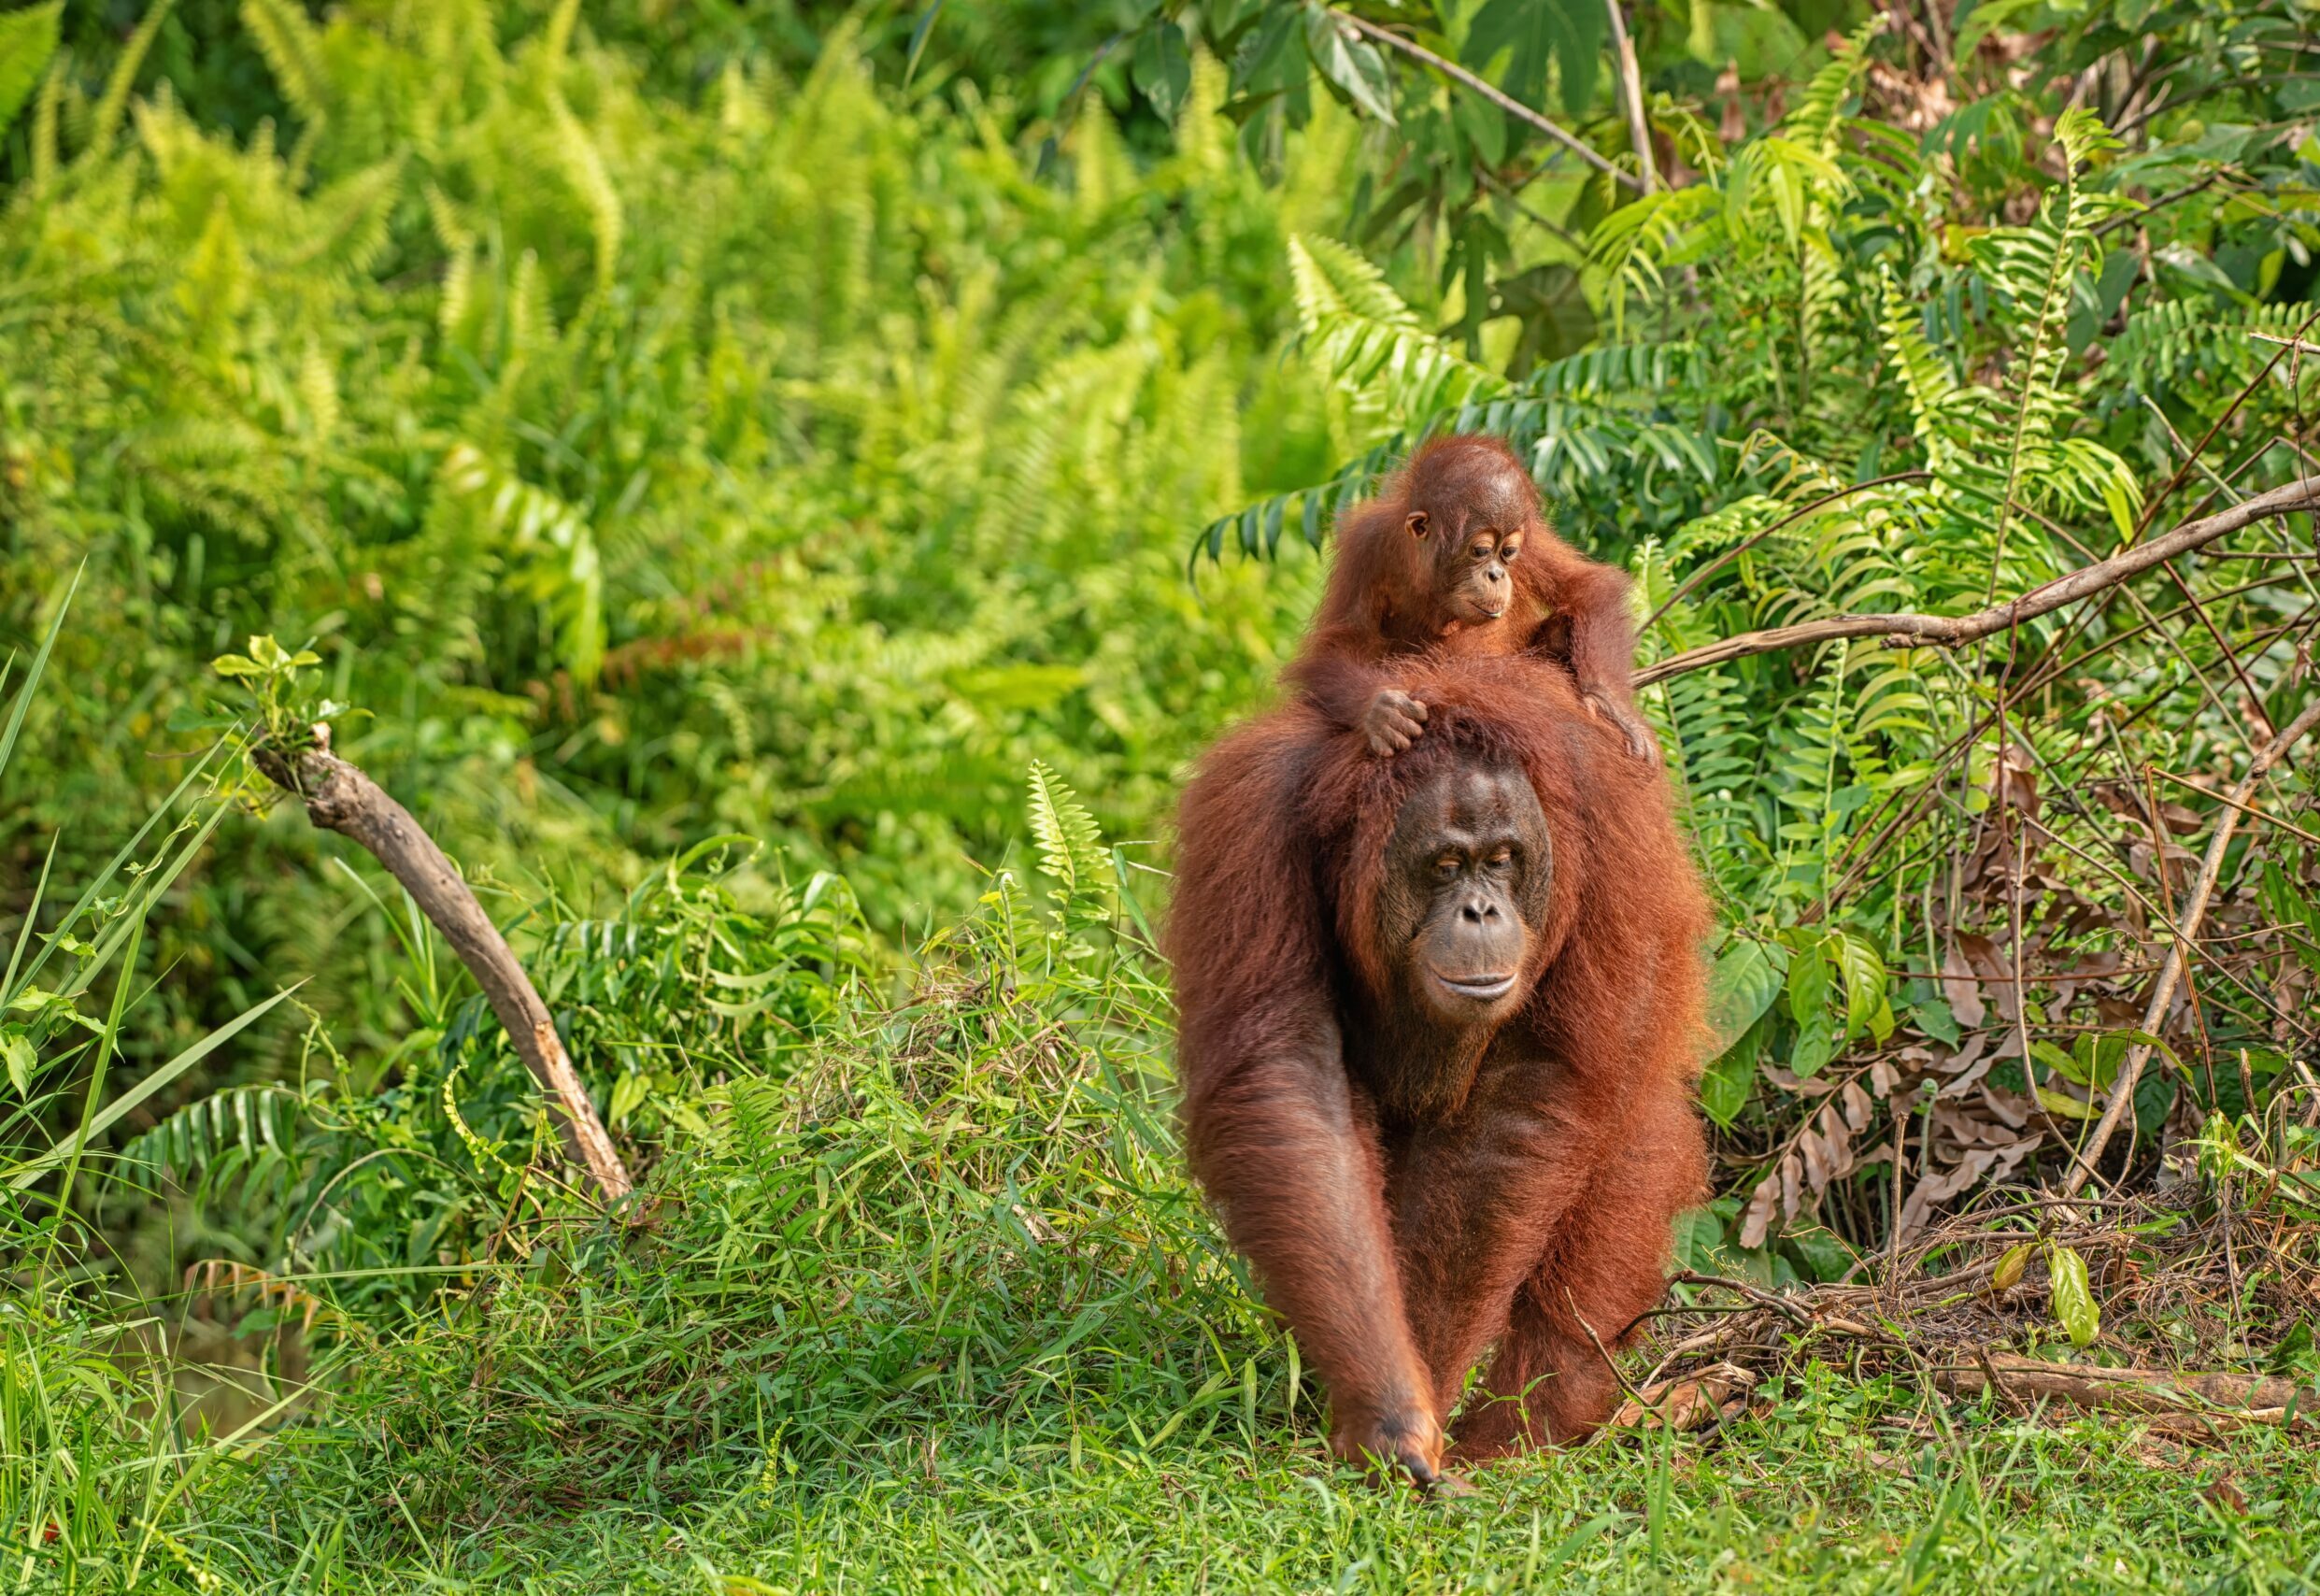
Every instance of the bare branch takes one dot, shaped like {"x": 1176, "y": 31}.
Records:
{"x": 340, "y": 798}
{"x": 1631, "y": 91}
{"x": 2252, "y": 1398}
{"x": 1491, "y": 92}
{"x": 1905, "y": 631}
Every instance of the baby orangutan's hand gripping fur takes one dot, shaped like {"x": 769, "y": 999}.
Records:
{"x": 1440, "y": 1021}
{"x": 1456, "y": 557}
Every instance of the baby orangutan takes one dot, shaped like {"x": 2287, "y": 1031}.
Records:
{"x": 1455, "y": 557}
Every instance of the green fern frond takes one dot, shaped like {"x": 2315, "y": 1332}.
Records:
{"x": 1330, "y": 279}
{"x": 584, "y": 169}
{"x": 551, "y": 550}
{"x": 104, "y": 121}
{"x": 242, "y": 1136}
{"x": 347, "y": 224}
{"x": 292, "y": 48}
{"x": 1817, "y": 115}
{"x": 1071, "y": 848}
{"x": 1369, "y": 342}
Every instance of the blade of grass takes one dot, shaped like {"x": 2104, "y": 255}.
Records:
{"x": 32, "y": 918}
{"x": 39, "y": 663}
{"x": 106, "y": 1044}
{"x": 93, "y": 1126}
{"x": 103, "y": 878}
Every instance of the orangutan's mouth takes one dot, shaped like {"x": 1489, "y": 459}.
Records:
{"x": 1486, "y": 989}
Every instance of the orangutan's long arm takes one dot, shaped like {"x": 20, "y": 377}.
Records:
{"x": 1276, "y": 1131}
{"x": 1289, "y": 1151}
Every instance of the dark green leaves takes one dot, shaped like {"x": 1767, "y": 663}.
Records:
{"x": 1569, "y": 32}
{"x": 1745, "y": 984}
{"x": 1747, "y": 978}
{"x": 918, "y": 38}
{"x": 1268, "y": 60}
{"x": 1162, "y": 67}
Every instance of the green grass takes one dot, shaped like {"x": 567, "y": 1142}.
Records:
{"x": 1836, "y": 1488}
{"x": 934, "y": 1309}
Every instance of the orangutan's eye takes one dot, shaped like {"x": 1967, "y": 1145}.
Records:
{"x": 1446, "y": 866}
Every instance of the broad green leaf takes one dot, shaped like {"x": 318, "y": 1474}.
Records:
{"x": 1484, "y": 125}
{"x": 1863, "y": 968}
{"x": 1881, "y": 1019}
{"x": 1934, "y": 1017}
{"x": 1725, "y": 1085}
{"x": 16, "y": 1049}
{"x": 2057, "y": 1059}
{"x": 236, "y": 666}
{"x": 1162, "y": 67}
{"x": 1808, "y": 985}
{"x": 1570, "y": 32}
{"x": 2074, "y": 1307}
{"x": 1268, "y": 61}
{"x": 1699, "y": 1231}
{"x": 2008, "y": 1275}
{"x": 2094, "y": 1060}
{"x": 628, "y": 1096}
{"x": 1349, "y": 62}
{"x": 1745, "y": 983}
{"x": 1816, "y": 1044}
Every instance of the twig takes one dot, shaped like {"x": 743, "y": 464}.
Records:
{"x": 1761, "y": 1297}
{"x": 1491, "y": 92}
{"x": 2128, "y": 219}
{"x": 2289, "y": 826}
{"x": 2298, "y": 345}
{"x": 2171, "y": 974}
{"x": 1907, "y": 629}
{"x": 2255, "y": 1397}
{"x": 1632, "y": 90}
{"x": 1604, "y": 1353}
{"x": 340, "y": 798}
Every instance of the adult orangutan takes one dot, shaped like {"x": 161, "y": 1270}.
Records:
{"x": 1455, "y": 556}
{"x": 1440, "y": 1021}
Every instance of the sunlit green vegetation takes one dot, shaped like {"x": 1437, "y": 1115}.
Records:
{"x": 783, "y": 493}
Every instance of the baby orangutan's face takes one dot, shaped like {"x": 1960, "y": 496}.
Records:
{"x": 1475, "y": 520}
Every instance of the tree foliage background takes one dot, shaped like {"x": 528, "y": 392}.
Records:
{"x": 718, "y": 451}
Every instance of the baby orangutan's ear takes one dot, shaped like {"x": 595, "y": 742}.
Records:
{"x": 1417, "y": 523}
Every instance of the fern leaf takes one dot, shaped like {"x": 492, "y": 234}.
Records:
{"x": 292, "y": 48}
{"x": 114, "y": 104}
{"x": 1071, "y": 848}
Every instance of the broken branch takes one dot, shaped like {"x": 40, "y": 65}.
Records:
{"x": 339, "y": 797}
{"x": 2253, "y": 1398}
